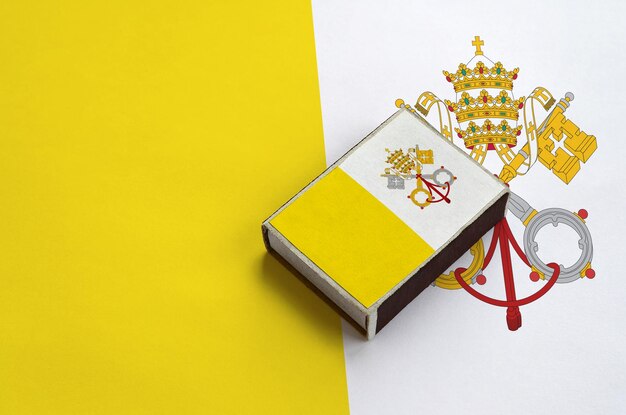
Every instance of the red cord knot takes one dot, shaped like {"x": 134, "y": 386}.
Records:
{"x": 534, "y": 276}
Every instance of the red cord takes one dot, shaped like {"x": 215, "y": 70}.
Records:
{"x": 492, "y": 246}
{"x": 433, "y": 187}
{"x": 517, "y": 248}
{"x": 513, "y": 315}
{"x": 516, "y": 303}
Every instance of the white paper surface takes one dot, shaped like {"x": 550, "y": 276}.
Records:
{"x": 447, "y": 352}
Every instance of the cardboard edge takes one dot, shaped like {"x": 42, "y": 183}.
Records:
{"x": 372, "y": 320}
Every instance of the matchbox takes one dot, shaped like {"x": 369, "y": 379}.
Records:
{"x": 384, "y": 221}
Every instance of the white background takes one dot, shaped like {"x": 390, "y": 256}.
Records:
{"x": 471, "y": 192}
{"x": 447, "y": 352}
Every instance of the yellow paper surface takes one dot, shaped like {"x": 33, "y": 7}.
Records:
{"x": 352, "y": 237}
{"x": 141, "y": 146}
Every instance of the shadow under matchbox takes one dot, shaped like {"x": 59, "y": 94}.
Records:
{"x": 384, "y": 221}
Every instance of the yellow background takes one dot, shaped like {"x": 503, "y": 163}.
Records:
{"x": 141, "y": 146}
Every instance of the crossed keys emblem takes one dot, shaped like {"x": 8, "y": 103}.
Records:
{"x": 491, "y": 119}
{"x": 429, "y": 188}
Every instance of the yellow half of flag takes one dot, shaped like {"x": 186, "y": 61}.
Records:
{"x": 141, "y": 146}
{"x": 352, "y": 236}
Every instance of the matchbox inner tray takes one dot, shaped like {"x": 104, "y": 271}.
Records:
{"x": 384, "y": 221}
